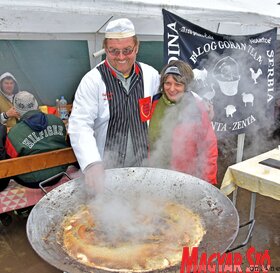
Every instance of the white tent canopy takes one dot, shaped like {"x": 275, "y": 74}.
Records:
{"x": 85, "y": 20}
{"x": 87, "y": 16}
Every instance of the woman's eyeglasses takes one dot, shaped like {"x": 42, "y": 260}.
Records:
{"x": 126, "y": 51}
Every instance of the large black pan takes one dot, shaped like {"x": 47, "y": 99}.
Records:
{"x": 216, "y": 210}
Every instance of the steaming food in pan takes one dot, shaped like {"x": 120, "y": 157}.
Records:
{"x": 52, "y": 214}
{"x": 149, "y": 241}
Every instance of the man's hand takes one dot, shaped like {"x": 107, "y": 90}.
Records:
{"x": 12, "y": 113}
{"x": 94, "y": 179}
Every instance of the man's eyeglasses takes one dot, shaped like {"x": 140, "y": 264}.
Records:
{"x": 126, "y": 51}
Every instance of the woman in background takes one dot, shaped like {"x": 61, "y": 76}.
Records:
{"x": 181, "y": 136}
{"x": 8, "y": 88}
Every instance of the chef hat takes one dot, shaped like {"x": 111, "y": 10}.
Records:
{"x": 24, "y": 102}
{"x": 120, "y": 28}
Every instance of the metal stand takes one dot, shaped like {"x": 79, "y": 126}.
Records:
{"x": 251, "y": 222}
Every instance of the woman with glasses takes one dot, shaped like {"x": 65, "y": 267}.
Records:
{"x": 108, "y": 123}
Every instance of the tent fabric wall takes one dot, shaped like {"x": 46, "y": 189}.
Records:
{"x": 48, "y": 69}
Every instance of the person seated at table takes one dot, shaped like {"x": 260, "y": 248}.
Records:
{"x": 181, "y": 136}
{"x": 8, "y": 88}
{"x": 35, "y": 132}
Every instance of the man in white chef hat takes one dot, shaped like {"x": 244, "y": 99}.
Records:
{"x": 109, "y": 120}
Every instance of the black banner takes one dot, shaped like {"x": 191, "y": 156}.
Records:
{"x": 235, "y": 73}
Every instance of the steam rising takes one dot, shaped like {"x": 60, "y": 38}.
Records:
{"x": 182, "y": 113}
{"x": 125, "y": 218}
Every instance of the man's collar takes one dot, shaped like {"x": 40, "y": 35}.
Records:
{"x": 118, "y": 74}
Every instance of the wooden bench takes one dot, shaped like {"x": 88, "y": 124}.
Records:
{"x": 16, "y": 196}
